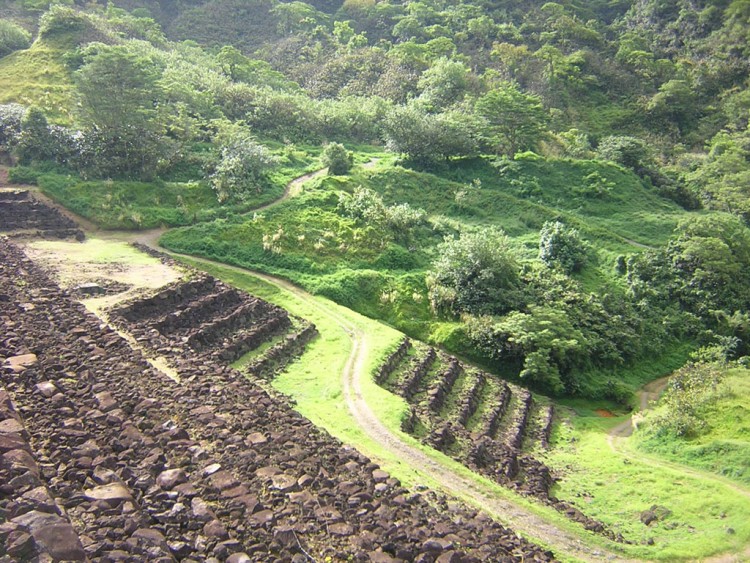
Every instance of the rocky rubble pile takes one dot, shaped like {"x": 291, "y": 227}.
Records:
{"x": 124, "y": 464}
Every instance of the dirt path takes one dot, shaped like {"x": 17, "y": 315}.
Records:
{"x": 293, "y": 188}
{"x": 505, "y": 511}
{"x": 647, "y": 397}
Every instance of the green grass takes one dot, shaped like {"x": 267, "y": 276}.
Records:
{"x": 315, "y": 385}
{"x": 119, "y": 204}
{"x": 375, "y": 272}
{"x": 616, "y": 485}
{"x": 723, "y": 447}
{"x": 38, "y": 77}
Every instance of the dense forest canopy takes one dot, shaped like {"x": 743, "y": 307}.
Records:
{"x": 565, "y": 197}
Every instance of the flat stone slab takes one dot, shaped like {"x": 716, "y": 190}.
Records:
{"x": 21, "y": 363}
{"x": 111, "y": 492}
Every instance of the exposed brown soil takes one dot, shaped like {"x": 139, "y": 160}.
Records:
{"x": 604, "y": 413}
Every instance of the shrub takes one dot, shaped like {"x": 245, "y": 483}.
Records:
{"x": 562, "y": 246}
{"x": 11, "y": 116}
{"x": 243, "y": 167}
{"x": 12, "y": 38}
{"x": 337, "y": 159}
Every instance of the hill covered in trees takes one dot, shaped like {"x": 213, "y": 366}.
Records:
{"x": 556, "y": 190}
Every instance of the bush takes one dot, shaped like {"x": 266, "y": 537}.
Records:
{"x": 11, "y": 116}
{"x": 630, "y": 152}
{"x": 338, "y": 160}
{"x": 243, "y": 167}
{"x": 23, "y": 175}
{"x": 562, "y": 246}
{"x": 12, "y": 38}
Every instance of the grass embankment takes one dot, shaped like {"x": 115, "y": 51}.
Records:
{"x": 615, "y": 484}
{"x": 119, "y": 204}
{"x": 38, "y": 77}
{"x": 722, "y": 446}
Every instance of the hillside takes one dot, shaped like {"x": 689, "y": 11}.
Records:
{"x": 540, "y": 208}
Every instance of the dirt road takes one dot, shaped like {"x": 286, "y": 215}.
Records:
{"x": 354, "y": 373}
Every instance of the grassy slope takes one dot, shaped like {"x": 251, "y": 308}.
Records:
{"x": 724, "y": 446}
{"x": 616, "y": 484}
{"x": 357, "y": 266}
{"x": 118, "y": 204}
{"x": 37, "y": 76}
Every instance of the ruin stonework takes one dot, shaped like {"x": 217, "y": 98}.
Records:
{"x": 106, "y": 458}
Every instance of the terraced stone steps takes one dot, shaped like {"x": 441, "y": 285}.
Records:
{"x": 485, "y": 423}
{"x": 207, "y": 316}
{"x": 470, "y": 399}
{"x": 210, "y": 467}
{"x": 198, "y": 311}
{"x": 21, "y": 214}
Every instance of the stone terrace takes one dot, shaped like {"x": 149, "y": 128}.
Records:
{"x": 105, "y": 458}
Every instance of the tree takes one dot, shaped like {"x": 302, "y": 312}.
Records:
{"x": 426, "y": 138}
{"x": 443, "y": 84}
{"x": 243, "y": 166}
{"x": 475, "y": 273}
{"x": 543, "y": 339}
{"x": 120, "y": 95}
{"x": 513, "y": 120}
{"x": 12, "y": 38}
{"x": 561, "y": 246}
{"x": 337, "y": 159}
{"x": 702, "y": 268}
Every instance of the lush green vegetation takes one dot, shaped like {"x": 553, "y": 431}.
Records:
{"x": 558, "y": 191}
{"x": 703, "y": 421}
{"x": 581, "y": 132}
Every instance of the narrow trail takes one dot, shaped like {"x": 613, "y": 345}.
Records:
{"x": 293, "y": 188}
{"x": 505, "y": 511}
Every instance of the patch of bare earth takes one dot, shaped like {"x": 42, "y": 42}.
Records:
{"x": 105, "y": 264}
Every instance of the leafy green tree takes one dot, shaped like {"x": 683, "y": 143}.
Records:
{"x": 691, "y": 389}
{"x": 443, "y": 84}
{"x": 119, "y": 93}
{"x": 560, "y": 245}
{"x": 543, "y": 340}
{"x": 338, "y": 160}
{"x": 702, "y": 268}
{"x": 363, "y": 204}
{"x": 513, "y": 121}
{"x": 243, "y": 167}
{"x": 427, "y": 138}
{"x": 476, "y": 273}
{"x": 722, "y": 178}
{"x": 12, "y": 38}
